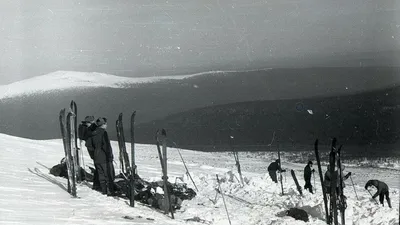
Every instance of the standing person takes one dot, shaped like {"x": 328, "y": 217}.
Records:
{"x": 327, "y": 180}
{"x": 383, "y": 190}
{"x": 307, "y": 176}
{"x": 272, "y": 168}
{"x": 103, "y": 156}
{"x": 85, "y": 130}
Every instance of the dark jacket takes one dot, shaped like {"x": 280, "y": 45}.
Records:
{"x": 381, "y": 186}
{"x": 84, "y": 131}
{"x": 327, "y": 178}
{"x": 307, "y": 172}
{"x": 274, "y": 166}
{"x": 100, "y": 144}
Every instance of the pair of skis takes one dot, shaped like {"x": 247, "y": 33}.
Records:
{"x": 68, "y": 126}
{"x": 334, "y": 160}
{"x": 128, "y": 170}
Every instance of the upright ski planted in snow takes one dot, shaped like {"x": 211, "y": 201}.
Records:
{"x": 163, "y": 161}
{"x": 133, "y": 166}
{"x": 334, "y": 181}
{"x": 63, "y": 128}
{"x": 342, "y": 198}
{"x": 71, "y": 162}
{"x": 121, "y": 141}
{"x": 74, "y": 109}
{"x": 119, "y": 138}
{"x": 280, "y": 168}
{"x": 322, "y": 181}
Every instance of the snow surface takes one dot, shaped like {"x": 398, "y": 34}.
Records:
{"x": 30, "y": 195}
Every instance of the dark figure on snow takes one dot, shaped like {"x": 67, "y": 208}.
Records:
{"x": 383, "y": 190}
{"x": 272, "y": 168}
{"x": 85, "y": 130}
{"x": 103, "y": 156}
{"x": 307, "y": 176}
{"x": 327, "y": 179}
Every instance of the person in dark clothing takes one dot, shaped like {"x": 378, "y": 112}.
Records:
{"x": 307, "y": 176}
{"x": 85, "y": 130}
{"x": 103, "y": 156}
{"x": 272, "y": 168}
{"x": 327, "y": 180}
{"x": 383, "y": 190}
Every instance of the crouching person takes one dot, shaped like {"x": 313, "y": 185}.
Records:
{"x": 382, "y": 191}
{"x": 103, "y": 156}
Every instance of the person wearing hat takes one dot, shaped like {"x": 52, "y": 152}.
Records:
{"x": 272, "y": 168}
{"x": 307, "y": 176}
{"x": 85, "y": 130}
{"x": 103, "y": 156}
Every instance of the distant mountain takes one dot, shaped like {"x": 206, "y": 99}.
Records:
{"x": 358, "y": 121}
{"x": 31, "y": 107}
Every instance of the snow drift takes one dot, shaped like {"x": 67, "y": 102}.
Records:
{"x": 31, "y": 195}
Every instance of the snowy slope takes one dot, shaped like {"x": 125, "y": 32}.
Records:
{"x": 62, "y": 80}
{"x": 30, "y": 195}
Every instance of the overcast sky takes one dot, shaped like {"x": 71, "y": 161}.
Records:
{"x": 145, "y": 37}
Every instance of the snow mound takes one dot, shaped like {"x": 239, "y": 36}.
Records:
{"x": 62, "y": 80}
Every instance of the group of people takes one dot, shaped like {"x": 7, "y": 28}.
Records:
{"x": 382, "y": 188}
{"x": 98, "y": 145}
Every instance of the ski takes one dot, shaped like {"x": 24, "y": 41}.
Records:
{"x": 63, "y": 128}
{"x": 74, "y": 135}
{"x": 296, "y": 182}
{"x": 163, "y": 161}
{"x": 236, "y": 156}
{"x": 322, "y": 181}
{"x": 280, "y": 168}
{"x": 124, "y": 153}
{"x": 133, "y": 166}
{"x": 119, "y": 138}
{"x": 342, "y": 199}
{"x": 74, "y": 109}
{"x": 333, "y": 194}
{"x": 70, "y": 158}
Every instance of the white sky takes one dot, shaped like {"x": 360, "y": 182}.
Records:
{"x": 142, "y": 37}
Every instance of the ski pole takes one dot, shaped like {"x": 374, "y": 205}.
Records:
{"x": 184, "y": 164}
{"x": 354, "y": 187}
{"x": 223, "y": 198}
{"x": 372, "y": 197}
